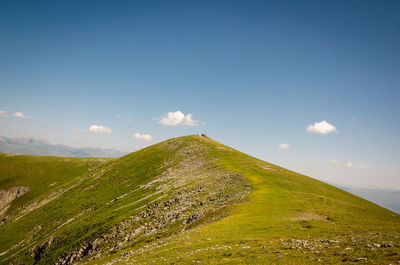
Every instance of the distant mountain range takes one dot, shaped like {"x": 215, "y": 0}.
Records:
{"x": 389, "y": 199}
{"x": 34, "y": 146}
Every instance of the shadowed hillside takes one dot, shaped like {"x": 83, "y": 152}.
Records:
{"x": 185, "y": 200}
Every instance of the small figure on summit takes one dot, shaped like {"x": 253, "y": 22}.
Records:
{"x": 204, "y": 135}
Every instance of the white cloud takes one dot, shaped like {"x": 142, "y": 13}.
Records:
{"x": 354, "y": 119}
{"x": 21, "y": 115}
{"x": 334, "y": 161}
{"x": 130, "y": 120}
{"x": 178, "y": 118}
{"x": 283, "y": 146}
{"x": 4, "y": 114}
{"x": 94, "y": 129}
{"x": 348, "y": 165}
{"x": 363, "y": 166}
{"x": 99, "y": 129}
{"x": 118, "y": 116}
{"x": 322, "y": 127}
{"x": 145, "y": 137}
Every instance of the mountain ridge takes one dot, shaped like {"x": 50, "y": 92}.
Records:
{"x": 192, "y": 200}
{"x": 35, "y": 146}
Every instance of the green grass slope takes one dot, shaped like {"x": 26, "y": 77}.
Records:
{"x": 191, "y": 200}
{"x": 42, "y": 174}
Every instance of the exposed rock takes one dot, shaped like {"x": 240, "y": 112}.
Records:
{"x": 192, "y": 218}
{"x": 190, "y": 195}
{"x": 7, "y": 196}
{"x": 39, "y": 250}
{"x": 361, "y": 259}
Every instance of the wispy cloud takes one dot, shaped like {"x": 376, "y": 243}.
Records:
{"x": 348, "y": 165}
{"x": 99, "y": 129}
{"x": 178, "y": 118}
{"x": 4, "y": 114}
{"x": 333, "y": 161}
{"x": 118, "y": 116}
{"x": 283, "y": 146}
{"x": 21, "y": 115}
{"x": 140, "y": 136}
{"x": 95, "y": 129}
{"x": 363, "y": 166}
{"x": 322, "y": 127}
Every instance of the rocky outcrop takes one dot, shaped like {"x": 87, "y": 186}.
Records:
{"x": 39, "y": 250}
{"x": 194, "y": 189}
{"x": 7, "y": 196}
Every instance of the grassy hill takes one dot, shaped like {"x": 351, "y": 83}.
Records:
{"x": 187, "y": 200}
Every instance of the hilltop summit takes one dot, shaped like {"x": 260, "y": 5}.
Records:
{"x": 185, "y": 200}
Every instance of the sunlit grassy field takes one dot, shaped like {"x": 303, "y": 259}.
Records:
{"x": 284, "y": 217}
{"x": 281, "y": 207}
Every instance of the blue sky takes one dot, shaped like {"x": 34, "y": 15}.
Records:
{"x": 254, "y": 74}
